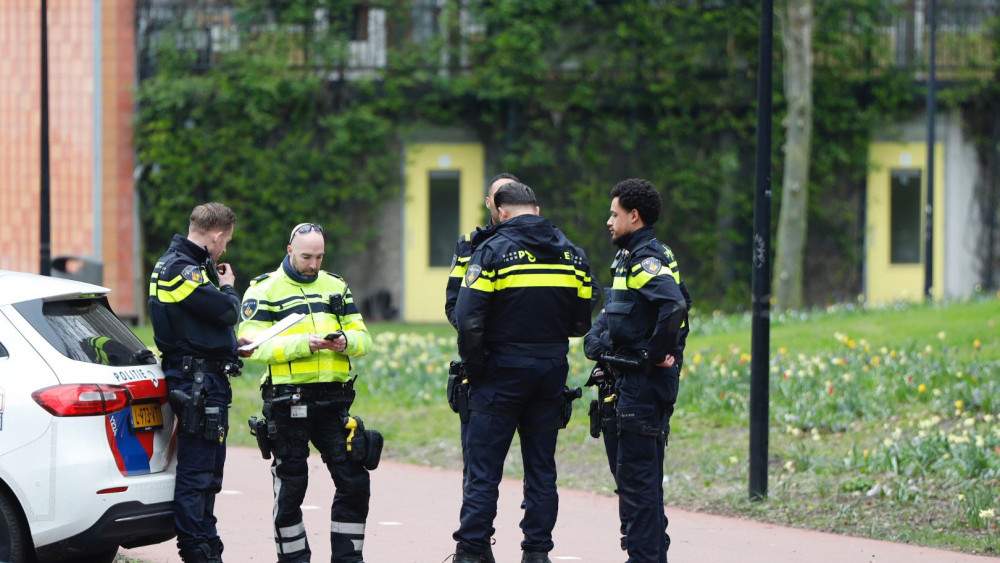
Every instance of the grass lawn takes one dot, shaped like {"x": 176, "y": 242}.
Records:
{"x": 883, "y": 421}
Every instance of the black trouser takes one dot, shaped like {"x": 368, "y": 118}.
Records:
{"x": 611, "y": 449}
{"x": 645, "y": 404}
{"x": 526, "y": 389}
{"x": 199, "y": 466}
{"x": 324, "y": 426}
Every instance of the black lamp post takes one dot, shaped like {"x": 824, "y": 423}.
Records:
{"x": 45, "y": 235}
{"x": 929, "y": 206}
{"x": 760, "y": 395}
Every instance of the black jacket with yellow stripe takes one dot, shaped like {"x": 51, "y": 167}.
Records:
{"x": 459, "y": 263}
{"x": 647, "y": 305}
{"x": 526, "y": 290}
{"x": 190, "y": 315}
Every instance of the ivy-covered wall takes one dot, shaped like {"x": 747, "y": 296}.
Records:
{"x": 571, "y": 96}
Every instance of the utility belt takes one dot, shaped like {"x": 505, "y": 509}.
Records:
{"x": 356, "y": 443}
{"x": 330, "y": 392}
{"x": 458, "y": 400}
{"x": 195, "y": 417}
{"x": 604, "y": 409}
{"x": 187, "y": 365}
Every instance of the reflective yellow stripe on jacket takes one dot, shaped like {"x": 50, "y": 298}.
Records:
{"x": 175, "y": 290}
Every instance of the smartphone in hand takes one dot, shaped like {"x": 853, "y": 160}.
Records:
{"x": 333, "y": 335}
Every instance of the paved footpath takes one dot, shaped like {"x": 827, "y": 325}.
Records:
{"x": 415, "y": 509}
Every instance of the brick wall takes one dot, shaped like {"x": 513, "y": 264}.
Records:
{"x": 72, "y": 138}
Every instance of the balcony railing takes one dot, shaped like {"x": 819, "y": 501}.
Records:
{"x": 966, "y": 43}
{"x": 966, "y": 38}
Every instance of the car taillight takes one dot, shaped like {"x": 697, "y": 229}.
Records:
{"x": 82, "y": 400}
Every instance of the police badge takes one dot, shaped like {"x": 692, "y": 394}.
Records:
{"x": 192, "y": 273}
{"x": 249, "y": 308}
{"x": 651, "y": 265}
{"x": 472, "y": 274}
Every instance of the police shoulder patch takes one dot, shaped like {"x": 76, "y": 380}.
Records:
{"x": 260, "y": 278}
{"x": 651, "y": 265}
{"x": 192, "y": 273}
{"x": 472, "y": 274}
{"x": 249, "y": 308}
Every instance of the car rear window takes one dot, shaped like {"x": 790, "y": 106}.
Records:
{"x": 86, "y": 330}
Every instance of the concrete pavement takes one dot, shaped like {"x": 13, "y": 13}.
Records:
{"x": 415, "y": 509}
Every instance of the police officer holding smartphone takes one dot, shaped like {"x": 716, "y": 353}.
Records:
{"x": 308, "y": 391}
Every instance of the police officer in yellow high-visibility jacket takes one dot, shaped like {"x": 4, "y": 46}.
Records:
{"x": 526, "y": 291}
{"x": 308, "y": 391}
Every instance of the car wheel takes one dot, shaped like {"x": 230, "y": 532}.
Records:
{"x": 15, "y": 543}
{"x": 107, "y": 556}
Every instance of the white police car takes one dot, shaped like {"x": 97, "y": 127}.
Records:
{"x": 86, "y": 434}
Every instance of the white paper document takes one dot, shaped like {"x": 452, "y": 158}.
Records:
{"x": 272, "y": 331}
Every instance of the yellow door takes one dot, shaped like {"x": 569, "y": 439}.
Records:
{"x": 894, "y": 230}
{"x": 444, "y": 199}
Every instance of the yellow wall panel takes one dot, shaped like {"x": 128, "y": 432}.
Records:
{"x": 424, "y": 289}
{"x": 886, "y": 282}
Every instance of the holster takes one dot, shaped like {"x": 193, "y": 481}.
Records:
{"x": 603, "y": 417}
{"x": 259, "y": 430}
{"x": 609, "y": 414}
{"x": 569, "y": 395}
{"x": 191, "y": 409}
{"x": 363, "y": 446}
{"x": 458, "y": 391}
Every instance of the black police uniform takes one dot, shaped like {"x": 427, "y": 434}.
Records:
{"x": 527, "y": 289}
{"x": 459, "y": 263}
{"x": 644, "y": 319}
{"x": 193, "y": 326}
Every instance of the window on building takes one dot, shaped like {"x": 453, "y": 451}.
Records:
{"x": 351, "y": 20}
{"x": 904, "y": 216}
{"x": 444, "y": 196}
{"x": 358, "y": 25}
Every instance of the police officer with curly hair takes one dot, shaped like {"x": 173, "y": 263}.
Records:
{"x": 308, "y": 391}
{"x": 526, "y": 290}
{"x": 194, "y": 309}
{"x": 640, "y": 335}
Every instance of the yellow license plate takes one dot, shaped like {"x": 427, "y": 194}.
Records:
{"x": 146, "y": 416}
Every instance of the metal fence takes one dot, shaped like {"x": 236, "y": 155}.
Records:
{"x": 366, "y": 32}
{"x": 370, "y": 30}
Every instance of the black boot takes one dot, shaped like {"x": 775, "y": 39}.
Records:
{"x": 466, "y": 557}
{"x": 197, "y": 553}
{"x": 488, "y": 556}
{"x": 216, "y": 548}
{"x": 535, "y": 557}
